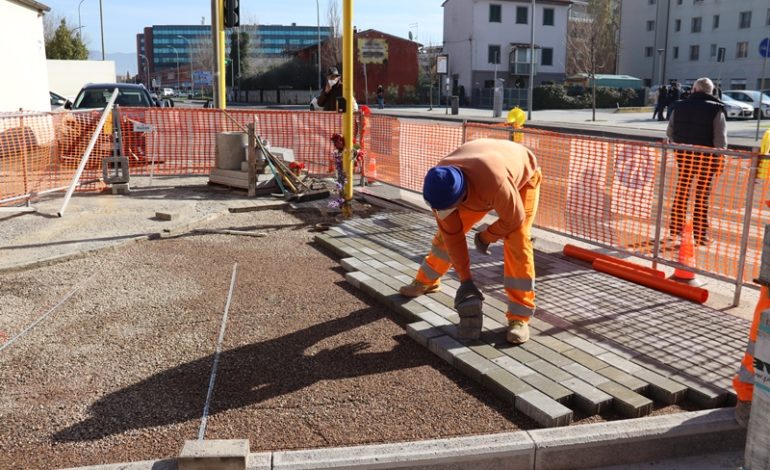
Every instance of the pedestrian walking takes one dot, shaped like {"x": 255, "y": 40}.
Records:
{"x": 661, "y": 103}
{"x": 381, "y": 97}
{"x": 698, "y": 120}
{"x": 674, "y": 95}
{"x": 478, "y": 177}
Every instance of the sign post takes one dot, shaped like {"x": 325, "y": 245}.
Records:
{"x": 442, "y": 68}
{"x": 764, "y": 51}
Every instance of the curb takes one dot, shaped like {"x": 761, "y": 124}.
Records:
{"x": 580, "y": 446}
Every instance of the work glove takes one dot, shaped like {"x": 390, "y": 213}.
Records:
{"x": 481, "y": 247}
{"x": 466, "y": 291}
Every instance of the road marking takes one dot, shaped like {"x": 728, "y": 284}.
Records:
{"x": 8, "y": 343}
{"x": 204, "y": 419}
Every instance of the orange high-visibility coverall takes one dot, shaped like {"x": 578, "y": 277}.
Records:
{"x": 502, "y": 176}
{"x": 743, "y": 381}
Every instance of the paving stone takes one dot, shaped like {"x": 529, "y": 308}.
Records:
{"x": 627, "y": 402}
{"x": 586, "y": 374}
{"x": 485, "y": 350}
{"x": 585, "y": 359}
{"x": 513, "y": 366}
{"x": 432, "y": 318}
{"x": 351, "y": 264}
{"x": 548, "y": 354}
{"x": 355, "y": 278}
{"x": 626, "y": 380}
{"x": 422, "y": 331}
{"x": 583, "y": 345}
{"x": 505, "y": 385}
{"x": 662, "y": 389}
{"x": 621, "y": 363}
{"x": 549, "y": 387}
{"x": 704, "y": 395}
{"x": 447, "y": 348}
{"x": 544, "y": 410}
{"x": 552, "y": 343}
{"x": 474, "y": 365}
{"x": 549, "y": 370}
{"x": 518, "y": 353}
{"x": 586, "y": 397}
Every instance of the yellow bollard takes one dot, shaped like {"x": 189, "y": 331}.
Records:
{"x": 516, "y": 118}
{"x": 763, "y": 172}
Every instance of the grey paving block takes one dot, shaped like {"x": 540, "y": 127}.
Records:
{"x": 702, "y": 394}
{"x": 557, "y": 359}
{"x": 549, "y": 370}
{"x": 447, "y": 348}
{"x": 585, "y": 359}
{"x": 583, "y": 345}
{"x": 619, "y": 362}
{"x": 586, "y": 397}
{"x": 626, "y": 380}
{"x": 584, "y": 373}
{"x": 432, "y": 318}
{"x": 351, "y": 264}
{"x": 643, "y": 440}
{"x": 544, "y": 410}
{"x": 485, "y": 350}
{"x": 504, "y": 384}
{"x": 214, "y": 454}
{"x": 474, "y": 365}
{"x": 504, "y": 451}
{"x": 552, "y": 343}
{"x": 549, "y": 387}
{"x": 513, "y": 366}
{"x": 520, "y": 354}
{"x": 661, "y": 389}
{"x": 422, "y": 331}
{"x": 627, "y": 402}
{"x": 355, "y": 278}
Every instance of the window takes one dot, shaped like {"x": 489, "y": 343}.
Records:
{"x": 742, "y": 50}
{"x": 546, "y": 56}
{"x": 521, "y": 15}
{"x": 696, "y": 23}
{"x": 677, "y": 25}
{"x": 676, "y": 52}
{"x": 648, "y": 51}
{"x": 694, "y": 52}
{"x": 767, "y": 22}
{"x": 548, "y": 17}
{"x": 715, "y": 22}
{"x": 744, "y": 20}
{"x": 493, "y": 54}
{"x": 713, "y": 51}
{"x": 650, "y": 25}
{"x": 495, "y": 13}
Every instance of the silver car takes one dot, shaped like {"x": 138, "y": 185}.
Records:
{"x": 752, "y": 98}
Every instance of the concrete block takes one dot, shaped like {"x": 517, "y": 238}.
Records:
{"x": 260, "y": 461}
{"x": 549, "y": 387}
{"x": 474, "y": 365}
{"x": 121, "y": 188}
{"x": 702, "y": 394}
{"x": 168, "y": 464}
{"x": 648, "y": 439}
{"x": 505, "y": 451}
{"x": 166, "y": 216}
{"x": 619, "y": 362}
{"x": 628, "y": 403}
{"x": 446, "y": 348}
{"x": 585, "y": 359}
{"x": 513, "y": 366}
{"x": 351, "y": 264}
{"x": 543, "y": 409}
{"x": 626, "y": 380}
{"x": 586, "y": 397}
{"x": 661, "y": 389}
{"x": 355, "y": 278}
{"x": 586, "y": 374}
{"x": 225, "y": 454}
{"x": 505, "y": 385}
{"x": 423, "y": 331}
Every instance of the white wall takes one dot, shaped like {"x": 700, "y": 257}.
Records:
{"x": 67, "y": 77}
{"x": 458, "y": 32}
{"x": 25, "y": 81}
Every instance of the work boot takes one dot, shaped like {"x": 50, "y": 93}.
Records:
{"x": 417, "y": 288}
{"x": 518, "y": 332}
{"x": 742, "y": 413}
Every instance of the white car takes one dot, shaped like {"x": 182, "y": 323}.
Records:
{"x": 752, "y": 98}
{"x": 168, "y": 92}
{"x": 735, "y": 109}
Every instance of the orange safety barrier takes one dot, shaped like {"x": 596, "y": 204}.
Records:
{"x": 695, "y": 294}
{"x": 587, "y": 255}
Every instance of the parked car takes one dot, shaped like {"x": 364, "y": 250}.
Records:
{"x": 58, "y": 102}
{"x": 735, "y": 109}
{"x": 78, "y": 127}
{"x": 751, "y": 97}
{"x": 168, "y": 92}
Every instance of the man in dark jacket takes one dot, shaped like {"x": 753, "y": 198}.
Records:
{"x": 674, "y": 95}
{"x": 698, "y": 120}
{"x": 332, "y": 90}
{"x": 660, "y": 105}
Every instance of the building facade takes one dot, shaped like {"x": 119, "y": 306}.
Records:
{"x": 488, "y": 39}
{"x": 663, "y": 40}
{"x": 27, "y": 86}
{"x": 170, "y": 52}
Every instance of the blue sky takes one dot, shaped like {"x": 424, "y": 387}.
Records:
{"x": 123, "y": 19}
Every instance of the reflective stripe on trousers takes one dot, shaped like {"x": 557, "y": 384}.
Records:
{"x": 743, "y": 382}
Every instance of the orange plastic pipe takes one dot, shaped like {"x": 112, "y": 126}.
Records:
{"x": 589, "y": 256}
{"x": 695, "y": 294}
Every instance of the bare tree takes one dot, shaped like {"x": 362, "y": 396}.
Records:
{"x": 426, "y": 59}
{"x": 592, "y": 41}
{"x": 331, "y": 53}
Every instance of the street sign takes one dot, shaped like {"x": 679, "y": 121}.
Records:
{"x": 442, "y": 64}
{"x": 764, "y": 48}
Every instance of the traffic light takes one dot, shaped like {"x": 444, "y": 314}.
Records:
{"x": 232, "y": 13}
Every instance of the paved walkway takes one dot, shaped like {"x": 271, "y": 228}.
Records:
{"x": 598, "y": 341}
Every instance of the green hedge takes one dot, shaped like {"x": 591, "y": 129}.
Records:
{"x": 557, "y": 97}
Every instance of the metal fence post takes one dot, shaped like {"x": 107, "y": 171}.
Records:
{"x": 659, "y": 215}
{"x": 746, "y": 228}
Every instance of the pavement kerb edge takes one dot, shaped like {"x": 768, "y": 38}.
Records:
{"x": 593, "y": 445}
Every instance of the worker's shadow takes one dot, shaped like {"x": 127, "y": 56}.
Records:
{"x": 246, "y": 376}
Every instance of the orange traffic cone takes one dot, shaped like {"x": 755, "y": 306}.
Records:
{"x": 686, "y": 258}
{"x": 371, "y": 169}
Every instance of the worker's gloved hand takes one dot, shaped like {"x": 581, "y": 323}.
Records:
{"x": 481, "y": 247}
{"x": 466, "y": 291}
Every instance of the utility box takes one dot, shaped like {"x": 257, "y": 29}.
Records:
{"x": 231, "y": 150}
{"x": 455, "y": 104}
{"x": 497, "y": 101}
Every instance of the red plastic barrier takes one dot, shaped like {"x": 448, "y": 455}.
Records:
{"x": 695, "y": 294}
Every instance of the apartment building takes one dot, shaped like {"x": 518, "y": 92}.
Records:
{"x": 662, "y": 40}
{"x": 488, "y": 39}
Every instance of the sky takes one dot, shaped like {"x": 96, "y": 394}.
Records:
{"x": 124, "y": 19}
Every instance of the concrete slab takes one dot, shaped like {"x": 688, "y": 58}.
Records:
{"x": 215, "y": 454}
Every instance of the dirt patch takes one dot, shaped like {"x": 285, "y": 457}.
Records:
{"x": 120, "y": 371}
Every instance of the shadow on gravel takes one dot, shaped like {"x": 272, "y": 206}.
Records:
{"x": 247, "y": 375}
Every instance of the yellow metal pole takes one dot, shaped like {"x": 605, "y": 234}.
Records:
{"x": 222, "y": 75}
{"x": 347, "y": 92}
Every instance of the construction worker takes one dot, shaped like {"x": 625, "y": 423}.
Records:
{"x": 480, "y": 176}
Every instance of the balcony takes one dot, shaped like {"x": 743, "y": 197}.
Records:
{"x": 520, "y": 68}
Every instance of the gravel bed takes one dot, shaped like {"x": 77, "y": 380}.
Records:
{"x": 120, "y": 371}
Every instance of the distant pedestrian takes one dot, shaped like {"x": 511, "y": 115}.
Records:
{"x": 327, "y": 100}
{"x": 380, "y": 97}
{"x": 660, "y": 104}
{"x": 674, "y": 95}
